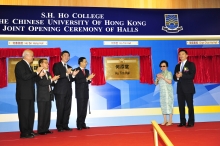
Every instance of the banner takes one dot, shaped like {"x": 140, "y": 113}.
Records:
{"x": 50, "y": 20}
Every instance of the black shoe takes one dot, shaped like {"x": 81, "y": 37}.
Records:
{"x": 49, "y": 132}
{"x": 189, "y": 126}
{"x": 181, "y": 125}
{"x": 67, "y": 129}
{"x": 34, "y": 134}
{"x": 79, "y": 128}
{"x": 42, "y": 133}
{"x": 85, "y": 127}
{"x": 27, "y": 136}
{"x": 60, "y": 130}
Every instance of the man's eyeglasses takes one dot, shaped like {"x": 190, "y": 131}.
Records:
{"x": 162, "y": 66}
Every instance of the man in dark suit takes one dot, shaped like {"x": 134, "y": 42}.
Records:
{"x": 63, "y": 91}
{"x": 25, "y": 93}
{"x": 184, "y": 74}
{"x": 82, "y": 80}
{"x": 44, "y": 97}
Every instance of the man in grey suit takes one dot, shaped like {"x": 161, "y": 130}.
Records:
{"x": 25, "y": 93}
{"x": 44, "y": 97}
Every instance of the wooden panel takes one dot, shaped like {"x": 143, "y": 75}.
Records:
{"x": 120, "y": 3}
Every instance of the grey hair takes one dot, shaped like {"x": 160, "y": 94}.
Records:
{"x": 26, "y": 52}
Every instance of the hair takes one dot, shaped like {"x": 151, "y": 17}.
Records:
{"x": 164, "y": 61}
{"x": 26, "y": 52}
{"x": 61, "y": 54}
{"x": 41, "y": 61}
{"x": 80, "y": 59}
{"x": 183, "y": 51}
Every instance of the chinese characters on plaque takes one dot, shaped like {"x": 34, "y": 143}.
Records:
{"x": 122, "y": 68}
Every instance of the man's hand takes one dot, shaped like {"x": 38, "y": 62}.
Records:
{"x": 55, "y": 78}
{"x": 68, "y": 71}
{"x": 75, "y": 72}
{"x": 42, "y": 73}
{"x": 39, "y": 69}
{"x": 90, "y": 76}
{"x": 179, "y": 74}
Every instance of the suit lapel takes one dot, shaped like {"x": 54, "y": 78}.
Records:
{"x": 178, "y": 66}
{"x": 185, "y": 65}
{"x": 48, "y": 78}
{"x": 27, "y": 66}
{"x": 48, "y": 75}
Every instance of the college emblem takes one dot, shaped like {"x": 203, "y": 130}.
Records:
{"x": 172, "y": 23}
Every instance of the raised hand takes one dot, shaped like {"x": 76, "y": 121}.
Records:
{"x": 159, "y": 75}
{"x": 56, "y": 77}
{"x": 39, "y": 69}
{"x": 91, "y": 76}
{"x": 42, "y": 73}
{"x": 69, "y": 70}
{"x": 75, "y": 72}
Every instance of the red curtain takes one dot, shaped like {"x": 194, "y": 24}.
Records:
{"x": 53, "y": 53}
{"x": 97, "y": 62}
{"x": 207, "y": 62}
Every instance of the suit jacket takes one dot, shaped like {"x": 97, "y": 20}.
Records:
{"x": 25, "y": 81}
{"x": 185, "y": 83}
{"x": 63, "y": 84}
{"x": 43, "y": 85}
{"x": 81, "y": 84}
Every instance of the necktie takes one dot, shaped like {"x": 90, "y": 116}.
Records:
{"x": 181, "y": 67}
{"x": 30, "y": 68}
{"x": 47, "y": 79}
{"x": 65, "y": 65}
{"x": 83, "y": 70}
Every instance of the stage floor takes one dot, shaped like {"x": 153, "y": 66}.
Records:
{"x": 202, "y": 134}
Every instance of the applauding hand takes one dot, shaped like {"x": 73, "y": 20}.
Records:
{"x": 90, "y": 76}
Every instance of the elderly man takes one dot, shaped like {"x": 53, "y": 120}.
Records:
{"x": 25, "y": 93}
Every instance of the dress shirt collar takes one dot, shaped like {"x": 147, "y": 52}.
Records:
{"x": 26, "y": 62}
{"x": 184, "y": 62}
{"x": 63, "y": 63}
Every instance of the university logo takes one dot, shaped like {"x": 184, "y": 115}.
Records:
{"x": 172, "y": 23}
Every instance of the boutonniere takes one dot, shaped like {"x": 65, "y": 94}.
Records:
{"x": 49, "y": 77}
{"x": 185, "y": 69}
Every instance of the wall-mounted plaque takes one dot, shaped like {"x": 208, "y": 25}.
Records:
{"x": 121, "y": 68}
{"x": 11, "y": 68}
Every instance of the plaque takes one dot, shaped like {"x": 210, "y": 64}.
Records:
{"x": 11, "y": 68}
{"x": 121, "y": 68}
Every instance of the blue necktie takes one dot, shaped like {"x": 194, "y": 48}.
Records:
{"x": 181, "y": 67}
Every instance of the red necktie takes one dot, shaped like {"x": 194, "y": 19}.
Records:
{"x": 83, "y": 70}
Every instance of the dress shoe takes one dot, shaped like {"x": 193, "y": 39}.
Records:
{"x": 27, "y": 136}
{"x": 85, "y": 127}
{"x": 60, "y": 130}
{"x": 79, "y": 128}
{"x": 181, "y": 125}
{"x": 34, "y": 134}
{"x": 189, "y": 126}
{"x": 49, "y": 132}
{"x": 42, "y": 133}
{"x": 67, "y": 129}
